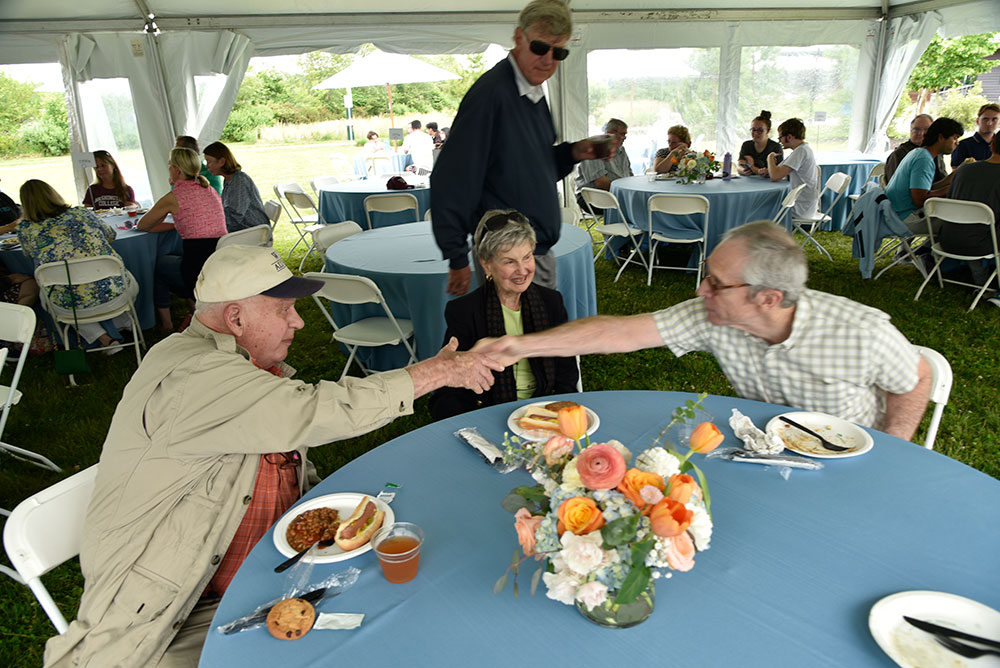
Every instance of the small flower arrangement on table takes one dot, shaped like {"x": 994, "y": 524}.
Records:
{"x": 696, "y": 166}
{"x": 606, "y": 530}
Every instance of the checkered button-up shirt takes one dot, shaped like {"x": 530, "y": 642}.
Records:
{"x": 840, "y": 358}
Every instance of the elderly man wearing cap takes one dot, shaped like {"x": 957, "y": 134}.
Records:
{"x": 206, "y": 451}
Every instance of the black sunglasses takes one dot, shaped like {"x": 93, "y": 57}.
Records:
{"x": 499, "y": 221}
{"x": 540, "y": 48}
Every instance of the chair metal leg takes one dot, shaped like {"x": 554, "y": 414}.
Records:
{"x": 927, "y": 279}
{"x": 649, "y": 265}
{"x": 28, "y": 456}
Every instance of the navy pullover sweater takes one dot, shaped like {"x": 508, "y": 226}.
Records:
{"x": 499, "y": 155}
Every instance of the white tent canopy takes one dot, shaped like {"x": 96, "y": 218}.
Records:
{"x": 184, "y": 60}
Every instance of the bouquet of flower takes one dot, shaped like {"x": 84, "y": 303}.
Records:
{"x": 696, "y": 167}
{"x": 605, "y": 529}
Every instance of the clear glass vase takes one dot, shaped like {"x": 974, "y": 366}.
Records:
{"x": 621, "y": 616}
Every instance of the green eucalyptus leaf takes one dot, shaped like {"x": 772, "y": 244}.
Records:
{"x": 514, "y": 502}
{"x": 501, "y": 584}
{"x": 515, "y": 588}
{"x": 536, "y": 577}
{"x": 620, "y": 531}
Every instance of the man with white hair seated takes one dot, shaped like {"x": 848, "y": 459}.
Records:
{"x": 776, "y": 340}
{"x": 206, "y": 450}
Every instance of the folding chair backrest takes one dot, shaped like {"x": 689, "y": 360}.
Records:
{"x": 427, "y": 215}
{"x": 788, "y": 203}
{"x": 81, "y": 270}
{"x": 45, "y": 530}
{"x": 878, "y": 171}
{"x": 321, "y": 182}
{"x": 273, "y": 211}
{"x": 569, "y": 215}
{"x": 958, "y": 211}
{"x": 390, "y": 203}
{"x": 680, "y": 205}
{"x": 327, "y": 235}
{"x": 258, "y": 235}
{"x": 279, "y": 191}
{"x": 17, "y": 324}
{"x": 300, "y": 200}
{"x": 347, "y": 289}
{"x": 601, "y": 199}
{"x": 838, "y": 182}
{"x": 941, "y": 381}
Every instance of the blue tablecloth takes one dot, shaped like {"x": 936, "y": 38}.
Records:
{"x": 731, "y": 203}
{"x": 138, "y": 251}
{"x": 855, "y": 165}
{"x": 397, "y": 163}
{"x": 346, "y": 201}
{"x": 406, "y": 264}
{"x": 794, "y": 566}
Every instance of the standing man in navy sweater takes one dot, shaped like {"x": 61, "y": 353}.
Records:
{"x": 501, "y": 152}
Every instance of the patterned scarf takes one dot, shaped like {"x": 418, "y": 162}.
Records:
{"x": 535, "y": 319}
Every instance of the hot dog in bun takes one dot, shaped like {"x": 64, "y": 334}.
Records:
{"x": 359, "y": 528}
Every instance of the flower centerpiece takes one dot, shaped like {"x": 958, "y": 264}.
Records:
{"x": 605, "y": 527}
{"x": 696, "y": 166}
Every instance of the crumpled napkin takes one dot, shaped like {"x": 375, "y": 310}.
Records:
{"x": 754, "y": 439}
{"x": 333, "y": 621}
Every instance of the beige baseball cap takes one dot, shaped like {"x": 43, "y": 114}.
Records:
{"x": 237, "y": 272}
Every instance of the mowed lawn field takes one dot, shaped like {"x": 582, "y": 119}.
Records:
{"x": 69, "y": 424}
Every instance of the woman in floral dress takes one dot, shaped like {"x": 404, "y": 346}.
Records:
{"x": 53, "y": 231}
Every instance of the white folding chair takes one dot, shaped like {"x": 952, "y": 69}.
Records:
{"x": 427, "y": 215}
{"x": 89, "y": 270}
{"x": 301, "y": 211}
{"x": 17, "y": 324}
{"x": 836, "y": 184}
{"x": 959, "y": 212}
{"x": 878, "y": 174}
{"x": 45, "y": 530}
{"x": 391, "y": 203}
{"x": 327, "y": 235}
{"x": 678, "y": 205}
{"x": 569, "y": 216}
{"x": 787, "y": 204}
{"x": 368, "y": 332}
{"x": 258, "y": 235}
{"x": 321, "y": 182}
{"x": 343, "y": 168}
{"x": 602, "y": 199}
{"x": 377, "y": 165}
{"x": 941, "y": 381}
{"x": 273, "y": 211}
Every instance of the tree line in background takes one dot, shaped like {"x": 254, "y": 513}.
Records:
{"x": 35, "y": 123}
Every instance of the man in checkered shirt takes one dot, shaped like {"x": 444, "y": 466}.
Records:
{"x": 776, "y": 340}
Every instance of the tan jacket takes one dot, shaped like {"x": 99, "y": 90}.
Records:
{"x": 175, "y": 477}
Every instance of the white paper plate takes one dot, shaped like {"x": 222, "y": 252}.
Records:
{"x": 833, "y": 429}
{"x": 910, "y": 647}
{"x": 544, "y": 434}
{"x": 12, "y": 241}
{"x": 344, "y": 503}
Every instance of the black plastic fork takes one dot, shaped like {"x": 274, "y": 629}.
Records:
{"x": 967, "y": 651}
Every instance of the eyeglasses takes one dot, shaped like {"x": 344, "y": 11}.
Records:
{"x": 499, "y": 221}
{"x": 540, "y": 48}
{"x": 713, "y": 283}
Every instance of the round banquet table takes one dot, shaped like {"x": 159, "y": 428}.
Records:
{"x": 794, "y": 566}
{"x": 138, "y": 251}
{"x": 405, "y": 262}
{"x": 854, "y": 164}
{"x": 346, "y": 201}
{"x": 731, "y": 203}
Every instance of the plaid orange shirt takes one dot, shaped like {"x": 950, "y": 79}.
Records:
{"x": 275, "y": 489}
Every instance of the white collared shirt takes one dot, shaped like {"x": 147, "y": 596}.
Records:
{"x": 533, "y": 93}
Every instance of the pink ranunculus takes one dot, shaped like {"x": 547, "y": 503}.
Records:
{"x": 556, "y": 448}
{"x": 680, "y": 552}
{"x": 526, "y": 524}
{"x": 600, "y": 466}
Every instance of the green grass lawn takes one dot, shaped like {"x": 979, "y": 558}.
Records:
{"x": 69, "y": 424}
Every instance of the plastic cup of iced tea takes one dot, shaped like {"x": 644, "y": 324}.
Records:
{"x": 602, "y": 146}
{"x": 397, "y": 547}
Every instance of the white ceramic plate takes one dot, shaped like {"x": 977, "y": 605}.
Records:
{"x": 9, "y": 242}
{"x": 910, "y": 647}
{"x": 833, "y": 429}
{"x": 344, "y": 503}
{"x": 544, "y": 434}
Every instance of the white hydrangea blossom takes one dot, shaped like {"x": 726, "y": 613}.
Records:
{"x": 659, "y": 461}
{"x": 542, "y": 478}
{"x": 561, "y": 586}
{"x": 571, "y": 477}
{"x": 701, "y": 527}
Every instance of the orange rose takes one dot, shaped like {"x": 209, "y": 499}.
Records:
{"x": 579, "y": 515}
{"x": 669, "y": 518}
{"x": 526, "y": 524}
{"x": 573, "y": 422}
{"x": 682, "y": 486}
{"x": 705, "y": 438}
{"x": 632, "y": 484}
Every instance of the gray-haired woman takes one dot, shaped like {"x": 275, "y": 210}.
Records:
{"x": 508, "y": 303}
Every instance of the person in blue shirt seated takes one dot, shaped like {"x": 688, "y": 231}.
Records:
{"x": 977, "y": 147}
{"x": 913, "y": 181}
{"x": 507, "y": 303}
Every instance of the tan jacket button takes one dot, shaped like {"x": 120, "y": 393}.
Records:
{"x": 216, "y": 559}
{"x": 247, "y": 499}
{"x": 178, "y": 624}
